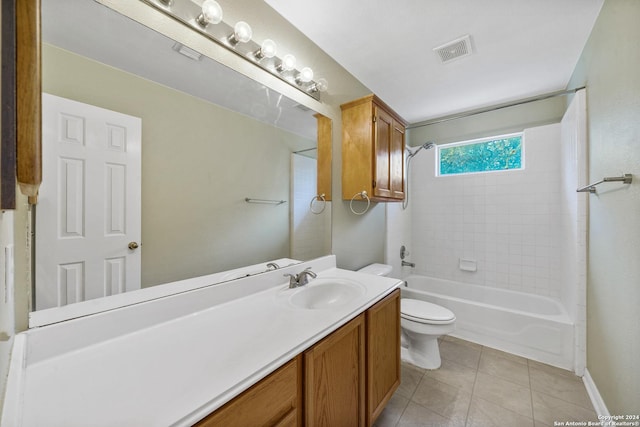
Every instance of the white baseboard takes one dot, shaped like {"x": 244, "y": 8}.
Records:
{"x": 594, "y": 395}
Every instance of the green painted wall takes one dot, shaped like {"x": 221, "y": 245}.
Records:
{"x": 610, "y": 67}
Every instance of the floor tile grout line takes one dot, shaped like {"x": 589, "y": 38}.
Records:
{"x": 555, "y": 396}
{"x": 473, "y": 387}
{"x": 563, "y": 400}
{"x": 533, "y": 412}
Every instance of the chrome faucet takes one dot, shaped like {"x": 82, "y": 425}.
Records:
{"x": 300, "y": 279}
{"x": 408, "y": 264}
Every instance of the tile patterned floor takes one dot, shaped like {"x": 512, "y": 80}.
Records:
{"x": 477, "y": 386}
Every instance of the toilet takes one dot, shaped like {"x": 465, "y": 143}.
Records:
{"x": 422, "y": 323}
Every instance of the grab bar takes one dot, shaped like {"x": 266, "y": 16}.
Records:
{"x": 591, "y": 188}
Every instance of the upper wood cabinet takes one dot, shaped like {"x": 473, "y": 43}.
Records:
{"x": 324, "y": 156}
{"x": 373, "y": 141}
{"x": 383, "y": 354}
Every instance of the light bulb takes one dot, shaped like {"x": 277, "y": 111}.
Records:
{"x": 268, "y": 49}
{"x": 305, "y": 75}
{"x": 321, "y": 85}
{"x": 241, "y": 33}
{"x": 211, "y": 13}
{"x": 288, "y": 63}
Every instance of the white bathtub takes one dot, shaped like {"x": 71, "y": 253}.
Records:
{"x": 531, "y": 326}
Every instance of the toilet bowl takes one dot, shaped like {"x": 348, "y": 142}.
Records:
{"x": 422, "y": 323}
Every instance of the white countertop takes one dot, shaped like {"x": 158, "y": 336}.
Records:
{"x": 176, "y": 371}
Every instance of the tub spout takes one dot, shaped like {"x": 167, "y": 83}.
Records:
{"x": 408, "y": 264}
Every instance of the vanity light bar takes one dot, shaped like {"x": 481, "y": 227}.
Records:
{"x": 238, "y": 40}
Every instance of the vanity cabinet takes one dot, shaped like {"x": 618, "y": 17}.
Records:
{"x": 334, "y": 389}
{"x": 276, "y": 401}
{"x": 346, "y": 379}
{"x": 373, "y": 142}
{"x": 383, "y": 353}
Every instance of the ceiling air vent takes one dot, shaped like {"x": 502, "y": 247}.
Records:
{"x": 455, "y": 49}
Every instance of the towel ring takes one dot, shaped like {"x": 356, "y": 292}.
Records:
{"x": 319, "y": 198}
{"x": 363, "y": 195}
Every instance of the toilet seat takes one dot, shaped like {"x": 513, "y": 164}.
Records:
{"x": 425, "y": 312}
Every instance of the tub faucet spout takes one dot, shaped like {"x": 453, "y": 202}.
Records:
{"x": 408, "y": 264}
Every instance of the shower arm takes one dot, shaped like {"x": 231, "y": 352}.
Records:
{"x": 427, "y": 145}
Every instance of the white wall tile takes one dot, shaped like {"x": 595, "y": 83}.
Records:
{"x": 507, "y": 221}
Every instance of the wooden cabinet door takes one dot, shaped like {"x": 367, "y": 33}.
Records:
{"x": 396, "y": 161}
{"x": 324, "y": 156}
{"x": 382, "y": 153}
{"x": 388, "y": 156}
{"x": 335, "y": 378}
{"x": 273, "y": 402}
{"x": 383, "y": 353}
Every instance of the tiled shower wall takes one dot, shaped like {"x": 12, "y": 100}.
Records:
{"x": 507, "y": 222}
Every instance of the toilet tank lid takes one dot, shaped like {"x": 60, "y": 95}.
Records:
{"x": 377, "y": 269}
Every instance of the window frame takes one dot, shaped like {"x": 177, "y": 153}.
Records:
{"x": 440, "y": 147}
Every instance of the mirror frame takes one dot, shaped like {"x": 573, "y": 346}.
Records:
{"x": 28, "y": 43}
{"x": 8, "y": 115}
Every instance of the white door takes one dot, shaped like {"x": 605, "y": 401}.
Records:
{"x": 89, "y": 208}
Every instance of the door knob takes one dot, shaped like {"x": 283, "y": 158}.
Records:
{"x": 133, "y": 245}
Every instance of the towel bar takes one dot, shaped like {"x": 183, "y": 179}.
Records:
{"x": 591, "y": 188}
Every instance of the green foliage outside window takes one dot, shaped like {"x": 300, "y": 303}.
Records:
{"x": 489, "y": 155}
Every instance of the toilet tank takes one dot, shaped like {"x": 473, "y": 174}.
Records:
{"x": 377, "y": 269}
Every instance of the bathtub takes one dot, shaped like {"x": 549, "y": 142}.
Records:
{"x": 531, "y": 326}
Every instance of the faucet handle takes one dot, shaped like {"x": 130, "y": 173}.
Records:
{"x": 293, "y": 280}
{"x": 309, "y": 272}
{"x": 303, "y": 276}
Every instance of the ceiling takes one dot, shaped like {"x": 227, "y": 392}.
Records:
{"x": 521, "y": 48}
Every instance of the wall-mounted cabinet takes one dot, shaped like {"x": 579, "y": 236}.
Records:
{"x": 324, "y": 156}
{"x": 373, "y": 141}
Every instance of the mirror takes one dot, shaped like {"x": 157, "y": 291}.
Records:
{"x": 211, "y": 139}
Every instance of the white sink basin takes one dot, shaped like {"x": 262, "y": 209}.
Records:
{"x": 326, "y": 293}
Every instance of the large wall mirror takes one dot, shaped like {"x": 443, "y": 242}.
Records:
{"x": 210, "y": 138}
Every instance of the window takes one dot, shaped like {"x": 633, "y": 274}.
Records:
{"x": 481, "y": 155}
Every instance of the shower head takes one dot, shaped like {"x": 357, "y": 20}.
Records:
{"x": 427, "y": 145}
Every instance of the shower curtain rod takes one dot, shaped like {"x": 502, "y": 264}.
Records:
{"x": 497, "y": 107}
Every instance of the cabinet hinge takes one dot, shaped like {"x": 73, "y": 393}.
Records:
{"x": 373, "y": 184}
{"x": 375, "y": 119}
